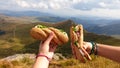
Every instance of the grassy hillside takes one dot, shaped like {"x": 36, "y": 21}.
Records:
{"x": 97, "y": 62}
{"x": 116, "y": 36}
{"x": 20, "y": 31}
{"x": 18, "y": 40}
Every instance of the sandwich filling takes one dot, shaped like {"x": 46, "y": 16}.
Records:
{"x": 42, "y": 26}
{"x": 77, "y": 32}
{"x": 76, "y": 29}
{"x": 63, "y": 31}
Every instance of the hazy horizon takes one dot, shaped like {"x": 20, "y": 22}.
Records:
{"x": 95, "y": 8}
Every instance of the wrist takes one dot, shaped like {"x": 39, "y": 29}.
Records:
{"x": 94, "y": 48}
{"x": 42, "y": 59}
{"x": 43, "y": 56}
{"x": 48, "y": 54}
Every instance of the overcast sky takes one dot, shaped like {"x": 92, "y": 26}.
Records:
{"x": 100, "y": 8}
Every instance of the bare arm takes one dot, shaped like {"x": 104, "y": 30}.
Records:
{"x": 107, "y": 51}
{"x": 111, "y": 52}
{"x": 41, "y": 62}
{"x": 47, "y": 50}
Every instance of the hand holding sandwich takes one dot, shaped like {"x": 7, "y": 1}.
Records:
{"x": 50, "y": 37}
{"x": 76, "y": 34}
{"x": 46, "y": 48}
{"x": 41, "y": 32}
{"x": 46, "y": 52}
{"x": 107, "y": 51}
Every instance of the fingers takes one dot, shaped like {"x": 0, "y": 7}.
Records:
{"x": 50, "y": 37}
{"x": 44, "y": 45}
{"x": 86, "y": 54}
{"x": 73, "y": 51}
{"x": 87, "y": 46}
{"x": 48, "y": 40}
{"x": 52, "y": 48}
{"x": 41, "y": 43}
{"x": 82, "y": 51}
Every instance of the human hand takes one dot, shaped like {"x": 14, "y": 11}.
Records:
{"x": 46, "y": 48}
{"x": 87, "y": 46}
{"x": 85, "y": 50}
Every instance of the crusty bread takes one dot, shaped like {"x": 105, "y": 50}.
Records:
{"x": 80, "y": 38}
{"x": 55, "y": 38}
{"x": 61, "y": 35}
{"x": 42, "y": 34}
{"x": 38, "y": 34}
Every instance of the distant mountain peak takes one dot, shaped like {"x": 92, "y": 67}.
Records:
{"x": 67, "y": 22}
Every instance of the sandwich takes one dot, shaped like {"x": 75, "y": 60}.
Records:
{"x": 76, "y": 34}
{"x": 41, "y": 32}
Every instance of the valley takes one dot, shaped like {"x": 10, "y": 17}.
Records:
{"x": 15, "y": 39}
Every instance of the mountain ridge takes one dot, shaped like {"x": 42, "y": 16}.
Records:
{"x": 96, "y": 26}
{"x": 18, "y": 39}
{"x": 112, "y": 29}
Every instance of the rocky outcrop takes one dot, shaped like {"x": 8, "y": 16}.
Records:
{"x": 17, "y": 57}
{"x": 58, "y": 56}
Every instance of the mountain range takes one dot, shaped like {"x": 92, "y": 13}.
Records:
{"x": 91, "y": 24}
{"x": 16, "y": 37}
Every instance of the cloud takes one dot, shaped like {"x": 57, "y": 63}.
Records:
{"x": 47, "y": 4}
{"x": 96, "y": 12}
{"x": 41, "y": 5}
{"x": 110, "y": 13}
{"x": 23, "y": 3}
{"x": 101, "y": 8}
{"x": 102, "y": 4}
{"x": 54, "y": 5}
{"x": 76, "y": 1}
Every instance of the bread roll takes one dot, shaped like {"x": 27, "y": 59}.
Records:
{"x": 60, "y": 34}
{"x": 40, "y": 32}
{"x": 55, "y": 38}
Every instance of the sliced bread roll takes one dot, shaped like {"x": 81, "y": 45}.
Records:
{"x": 55, "y": 38}
{"x": 63, "y": 37}
{"x": 40, "y": 32}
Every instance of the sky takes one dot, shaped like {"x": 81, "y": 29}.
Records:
{"x": 99, "y": 8}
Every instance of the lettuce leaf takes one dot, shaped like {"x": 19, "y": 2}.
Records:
{"x": 62, "y": 31}
{"x": 41, "y": 26}
{"x": 76, "y": 42}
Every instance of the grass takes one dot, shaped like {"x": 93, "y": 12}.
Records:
{"x": 23, "y": 43}
{"x": 10, "y": 47}
{"x": 97, "y": 62}
{"x": 23, "y": 63}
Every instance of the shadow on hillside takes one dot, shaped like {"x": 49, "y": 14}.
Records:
{"x": 33, "y": 48}
{"x": 2, "y": 32}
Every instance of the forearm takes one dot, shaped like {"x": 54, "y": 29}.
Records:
{"x": 41, "y": 62}
{"x": 111, "y": 52}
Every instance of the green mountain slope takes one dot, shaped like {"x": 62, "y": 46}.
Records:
{"x": 18, "y": 40}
